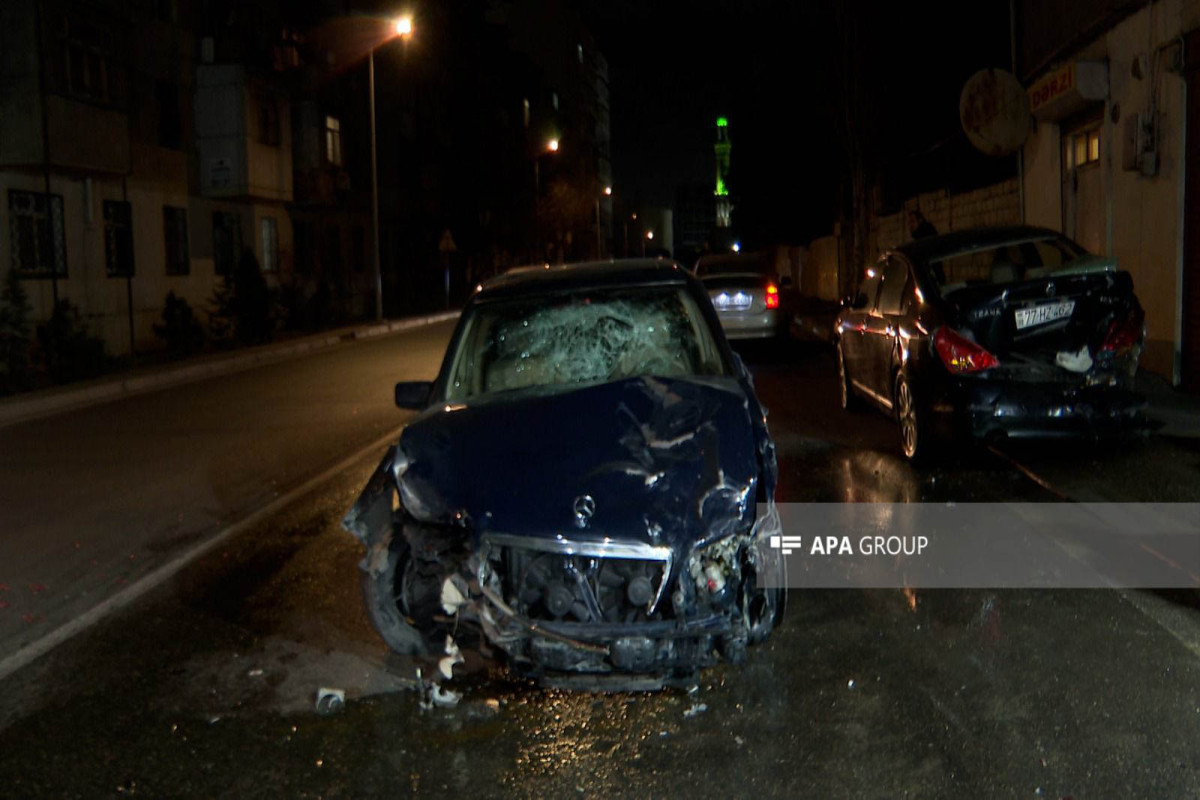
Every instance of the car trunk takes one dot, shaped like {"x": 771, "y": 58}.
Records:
{"x": 744, "y": 292}
{"x": 1057, "y": 325}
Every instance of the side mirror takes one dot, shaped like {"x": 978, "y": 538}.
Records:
{"x": 413, "y": 395}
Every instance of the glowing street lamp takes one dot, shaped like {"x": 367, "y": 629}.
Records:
{"x": 737, "y": 248}
{"x": 552, "y": 145}
{"x": 608, "y": 191}
{"x": 403, "y": 27}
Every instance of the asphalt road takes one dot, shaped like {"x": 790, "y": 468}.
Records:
{"x": 205, "y": 685}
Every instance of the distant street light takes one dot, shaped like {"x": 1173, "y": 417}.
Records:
{"x": 737, "y": 248}
{"x": 404, "y": 28}
{"x": 649, "y": 234}
{"x": 552, "y": 145}
{"x": 599, "y": 239}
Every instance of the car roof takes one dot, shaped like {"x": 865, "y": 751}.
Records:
{"x": 548, "y": 278}
{"x": 963, "y": 241}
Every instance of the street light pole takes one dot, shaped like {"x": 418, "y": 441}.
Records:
{"x": 378, "y": 272}
{"x": 403, "y": 27}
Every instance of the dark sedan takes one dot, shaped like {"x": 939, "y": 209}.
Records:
{"x": 588, "y": 484}
{"x": 997, "y": 332}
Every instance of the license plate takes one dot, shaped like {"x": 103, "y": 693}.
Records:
{"x": 736, "y": 301}
{"x": 1040, "y": 315}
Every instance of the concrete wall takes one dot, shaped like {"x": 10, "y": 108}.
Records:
{"x": 998, "y": 204}
{"x": 1143, "y": 214}
{"x": 819, "y": 276}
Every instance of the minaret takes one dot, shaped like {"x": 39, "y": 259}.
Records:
{"x": 722, "y": 148}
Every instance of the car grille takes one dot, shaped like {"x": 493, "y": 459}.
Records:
{"x": 555, "y": 580}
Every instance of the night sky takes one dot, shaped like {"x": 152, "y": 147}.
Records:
{"x": 770, "y": 68}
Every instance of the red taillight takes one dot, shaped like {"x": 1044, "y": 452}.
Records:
{"x": 1124, "y": 334}
{"x": 772, "y": 296}
{"x": 960, "y": 354}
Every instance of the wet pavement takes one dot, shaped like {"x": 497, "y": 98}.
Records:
{"x": 205, "y": 686}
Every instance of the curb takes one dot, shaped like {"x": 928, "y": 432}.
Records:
{"x": 23, "y": 409}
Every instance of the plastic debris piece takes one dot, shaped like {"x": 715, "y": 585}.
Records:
{"x": 443, "y": 697}
{"x": 452, "y": 597}
{"x": 255, "y": 673}
{"x": 850, "y": 683}
{"x": 330, "y": 701}
{"x": 453, "y": 656}
{"x": 739, "y": 740}
{"x": 697, "y": 708}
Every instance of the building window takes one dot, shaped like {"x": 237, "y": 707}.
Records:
{"x": 87, "y": 61}
{"x": 170, "y": 122}
{"x": 118, "y": 239}
{"x": 227, "y": 241}
{"x": 269, "y": 233}
{"x": 333, "y": 141}
{"x": 1083, "y": 148}
{"x": 268, "y": 119}
{"x": 36, "y": 231}
{"x": 175, "y": 234}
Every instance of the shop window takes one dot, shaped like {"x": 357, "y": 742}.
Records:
{"x": 1083, "y": 148}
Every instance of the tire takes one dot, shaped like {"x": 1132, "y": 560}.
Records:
{"x": 381, "y": 587}
{"x": 848, "y": 399}
{"x": 915, "y": 440}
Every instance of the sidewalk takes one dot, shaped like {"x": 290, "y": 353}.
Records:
{"x": 1178, "y": 411}
{"x": 45, "y": 402}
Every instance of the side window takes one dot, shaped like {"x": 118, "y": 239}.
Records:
{"x": 868, "y": 287}
{"x": 895, "y": 280}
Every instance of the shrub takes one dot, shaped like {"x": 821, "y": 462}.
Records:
{"x": 180, "y": 329}
{"x": 240, "y": 308}
{"x": 69, "y": 351}
{"x": 14, "y": 335}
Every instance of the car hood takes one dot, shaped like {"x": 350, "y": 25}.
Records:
{"x": 664, "y": 461}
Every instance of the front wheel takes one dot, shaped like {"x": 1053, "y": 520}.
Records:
{"x": 397, "y": 595}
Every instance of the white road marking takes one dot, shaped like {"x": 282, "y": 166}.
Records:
{"x": 1181, "y": 623}
{"x": 40, "y": 647}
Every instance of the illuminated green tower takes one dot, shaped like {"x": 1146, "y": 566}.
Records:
{"x": 722, "y": 147}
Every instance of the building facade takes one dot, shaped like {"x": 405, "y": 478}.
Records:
{"x": 146, "y": 145}
{"x": 1114, "y": 160}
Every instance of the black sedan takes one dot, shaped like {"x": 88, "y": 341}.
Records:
{"x": 996, "y": 332}
{"x": 589, "y": 484}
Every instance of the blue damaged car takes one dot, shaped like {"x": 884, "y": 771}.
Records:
{"x": 586, "y": 489}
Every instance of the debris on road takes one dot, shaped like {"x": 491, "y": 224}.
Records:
{"x": 697, "y": 708}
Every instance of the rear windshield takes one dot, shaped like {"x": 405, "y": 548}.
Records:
{"x": 593, "y": 337}
{"x": 733, "y": 265}
{"x": 1010, "y": 262}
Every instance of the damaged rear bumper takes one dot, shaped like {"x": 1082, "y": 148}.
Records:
{"x": 989, "y": 409}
